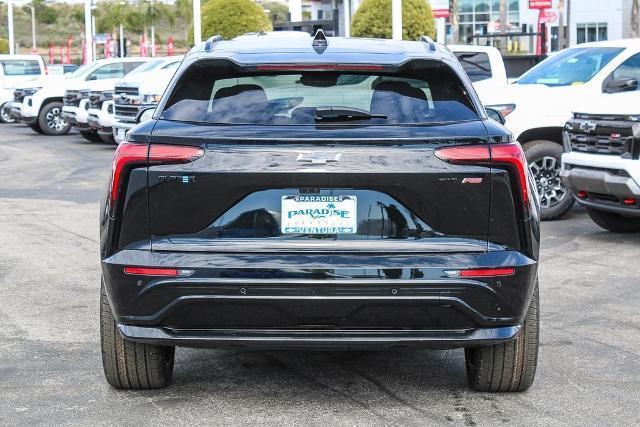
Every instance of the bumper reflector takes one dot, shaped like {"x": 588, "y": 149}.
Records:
{"x": 582, "y": 194}
{"x": 629, "y": 201}
{"x": 481, "y": 272}
{"x": 154, "y": 271}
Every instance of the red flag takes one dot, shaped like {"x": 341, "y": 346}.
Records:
{"x": 107, "y": 47}
{"x": 170, "y": 46}
{"x": 69, "y": 43}
{"x": 51, "y": 53}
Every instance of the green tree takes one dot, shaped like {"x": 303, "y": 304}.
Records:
{"x": 184, "y": 9}
{"x": 373, "y": 19}
{"x": 4, "y": 45}
{"x": 230, "y": 18}
{"x": 44, "y": 14}
{"x": 277, "y": 12}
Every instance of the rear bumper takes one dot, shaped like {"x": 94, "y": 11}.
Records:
{"x": 327, "y": 339}
{"x": 311, "y": 300}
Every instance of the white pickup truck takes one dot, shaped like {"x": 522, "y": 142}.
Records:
{"x": 101, "y": 103}
{"x": 485, "y": 68}
{"x": 601, "y": 163}
{"x": 538, "y": 104}
{"x": 137, "y": 93}
{"x": 39, "y": 103}
{"x": 15, "y": 70}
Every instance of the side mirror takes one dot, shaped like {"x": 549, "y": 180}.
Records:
{"x": 495, "y": 115}
{"x": 145, "y": 114}
{"x": 620, "y": 85}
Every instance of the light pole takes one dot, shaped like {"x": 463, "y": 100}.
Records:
{"x": 122, "y": 4}
{"x": 10, "y": 24}
{"x": 396, "y": 19}
{"x": 347, "y": 18}
{"x": 33, "y": 28}
{"x": 197, "y": 24}
{"x": 88, "y": 38}
{"x": 153, "y": 32}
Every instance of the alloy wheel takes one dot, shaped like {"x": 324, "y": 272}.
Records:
{"x": 4, "y": 114}
{"x": 55, "y": 120}
{"x": 546, "y": 172}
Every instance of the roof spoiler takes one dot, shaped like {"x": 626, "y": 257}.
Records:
{"x": 429, "y": 42}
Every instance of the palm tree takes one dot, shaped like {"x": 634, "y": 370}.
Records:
{"x": 185, "y": 11}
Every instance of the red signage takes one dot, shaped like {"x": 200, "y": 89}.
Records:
{"x": 440, "y": 8}
{"x": 440, "y": 13}
{"x": 540, "y": 4}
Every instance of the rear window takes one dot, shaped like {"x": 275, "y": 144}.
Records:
{"x": 219, "y": 92}
{"x": 19, "y": 67}
{"x": 476, "y": 65}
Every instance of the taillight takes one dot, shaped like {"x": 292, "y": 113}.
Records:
{"x": 127, "y": 154}
{"x": 320, "y": 67}
{"x": 130, "y": 155}
{"x": 496, "y": 154}
{"x": 512, "y": 154}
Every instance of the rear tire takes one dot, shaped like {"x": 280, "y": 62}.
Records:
{"x": 107, "y": 139}
{"x": 36, "y": 128}
{"x": 544, "y": 159}
{"x": 510, "y": 366}
{"x": 4, "y": 114}
{"x": 131, "y": 365}
{"x": 51, "y": 121}
{"x": 90, "y": 135}
{"x": 614, "y": 222}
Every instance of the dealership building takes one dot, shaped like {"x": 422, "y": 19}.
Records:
{"x": 585, "y": 20}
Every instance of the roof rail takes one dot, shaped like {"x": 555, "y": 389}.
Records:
{"x": 211, "y": 41}
{"x": 429, "y": 42}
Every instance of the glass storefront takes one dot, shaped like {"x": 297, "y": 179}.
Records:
{"x": 477, "y": 16}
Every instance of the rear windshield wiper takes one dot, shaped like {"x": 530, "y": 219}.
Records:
{"x": 342, "y": 114}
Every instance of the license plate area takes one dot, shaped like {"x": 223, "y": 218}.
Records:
{"x": 319, "y": 214}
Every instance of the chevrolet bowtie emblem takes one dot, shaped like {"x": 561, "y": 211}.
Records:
{"x": 319, "y": 158}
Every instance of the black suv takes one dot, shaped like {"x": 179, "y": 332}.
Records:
{"x": 325, "y": 193}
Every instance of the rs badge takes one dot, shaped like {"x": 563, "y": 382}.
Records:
{"x": 472, "y": 180}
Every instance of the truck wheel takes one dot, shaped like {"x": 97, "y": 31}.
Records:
{"x": 107, "y": 139}
{"x": 614, "y": 222}
{"x": 50, "y": 120}
{"x": 544, "y": 159}
{"x": 4, "y": 114}
{"x": 127, "y": 364}
{"x": 90, "y": 135}
{"x": 36, "y": 128}
{"x": 510, "y": 366}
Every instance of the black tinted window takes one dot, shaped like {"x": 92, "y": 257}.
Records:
{"x": 476, "y": 64}
{"x": 219, "y": 94}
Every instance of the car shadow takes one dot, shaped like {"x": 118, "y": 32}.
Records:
{"x": 337, "y": 372}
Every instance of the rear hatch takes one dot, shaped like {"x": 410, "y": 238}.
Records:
{"x": 319, "y": 161}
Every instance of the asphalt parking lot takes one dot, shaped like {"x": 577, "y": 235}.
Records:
{"x": 50, "y": 366}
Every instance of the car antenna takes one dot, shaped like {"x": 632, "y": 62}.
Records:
{"x": 429, "y": 41}
{"x": 320, "y": 42}
{"x": 211, "y": 41}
